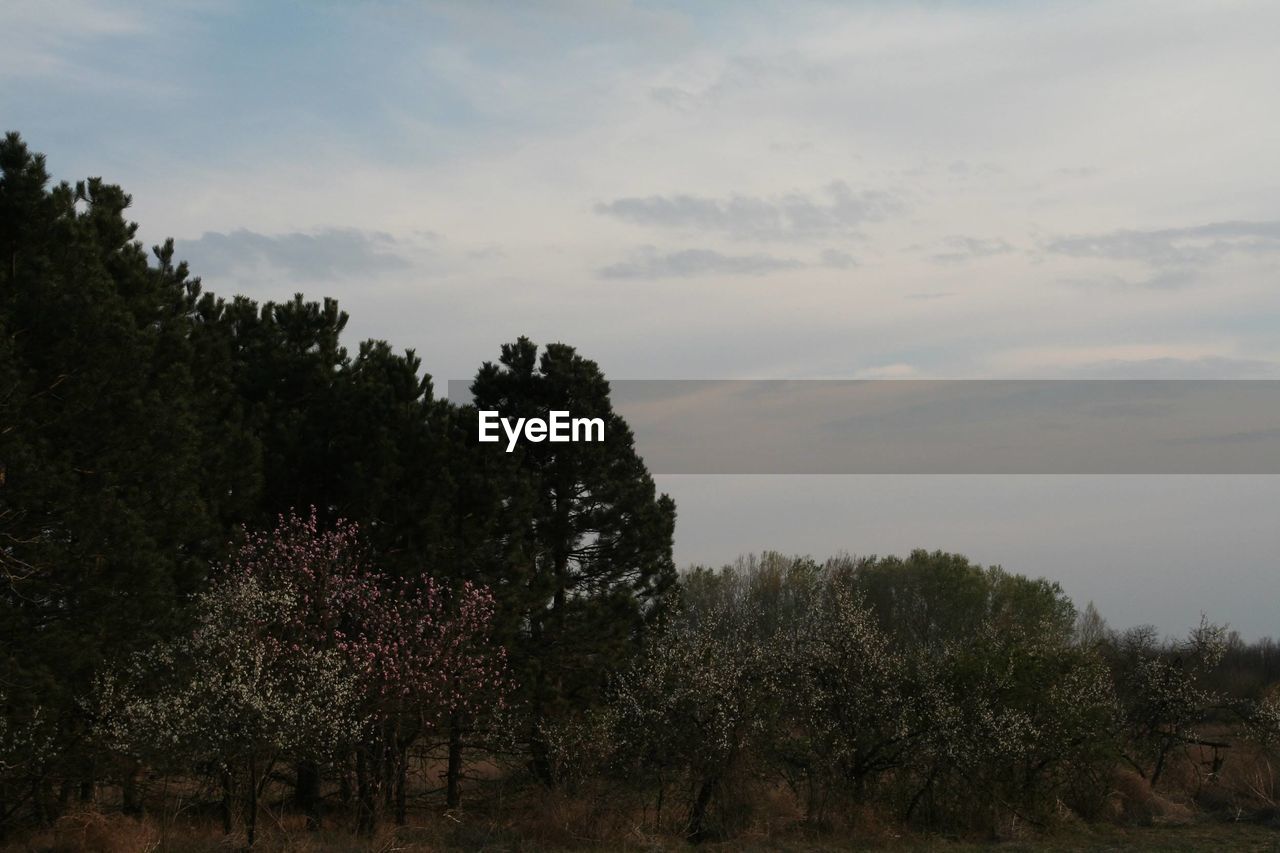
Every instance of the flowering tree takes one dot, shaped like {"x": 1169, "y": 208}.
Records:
{"x": 699, "y": 703}
{"x": 28, "y": 745}
{"x": 1015, "y": 719}
{"x": 420, "y": 652}
{"x": 848, "y": 699}
{"x": 1163, "y": 696}
{"x": 783, "y": 667}
{"x": 231, "y": 695}
{"x": 704, "y": 702}
{"x": 301, "y": 650}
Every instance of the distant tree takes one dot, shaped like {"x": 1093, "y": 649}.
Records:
{"x": 1092, "y": 630}
{"x": 934, "y": 597}
{"x": 1016, "y": 719}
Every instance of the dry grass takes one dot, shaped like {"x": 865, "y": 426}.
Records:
{"x": 1233, "y": 809}
{"x": 91, "y": 832}
{"x": 1132, "y": 801}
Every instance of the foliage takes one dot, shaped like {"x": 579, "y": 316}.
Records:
{"x": 782, "y": 670}
{"x": 1163, "y": 696}
{"x": 300, "y": 650}
{"x": 231, "y": 691}
{"x": 586, "y": 540}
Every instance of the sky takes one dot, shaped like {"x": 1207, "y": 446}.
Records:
{"x": 742, "y": 190}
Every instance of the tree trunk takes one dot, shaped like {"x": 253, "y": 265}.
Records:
{"x": 453, "y": 774}
{"x": 40, "y": 802}
{"x": 366, "y": 791}
{"x": 344, "y": 782}
{"x": 402, "y": 779}
{"x": 1159, "y": 768}
{"x": 131, "y": 804}
{"x": 698, "y": 814}
{"x": 251, "y": 812}
{"x": 87, "y": 792}
{"x": 64, "y": 796}
{"x": 539, "y": 754}
{"x": 228, "y": 803}
{"x": 388, "y": 777}
{"x": 307, "y": 793}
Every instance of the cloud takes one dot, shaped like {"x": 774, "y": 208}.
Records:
{"x": 1172, "y": 279}
{"x": 57, "y": 43}
{"x": 650, "y": 263}
{"x": 836, "y": 259}
{"x": 897, "y": 370}
{"x": 1204, "y": 367}
{"x": 836, "y": 210}
{"x": 742, "y": 74}
{"x": 1197, "y": 244}
{"x": 486, "y": 253}
{"x": 958, "y": 249}
{"x": 324, "y": 254}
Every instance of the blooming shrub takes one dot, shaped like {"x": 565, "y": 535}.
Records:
{"x": 301, "y": 650}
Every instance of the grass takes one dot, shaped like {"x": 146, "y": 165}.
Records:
{"x": 90, "y": 831}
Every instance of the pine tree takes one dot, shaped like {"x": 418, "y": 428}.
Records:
{"x": 591, "y": 538}
{"x": 105, "y": 520}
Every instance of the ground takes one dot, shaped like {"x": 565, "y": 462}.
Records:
{"x": 119, "y": 835}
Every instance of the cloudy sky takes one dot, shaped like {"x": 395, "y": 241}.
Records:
{"x": 940, "y": 189}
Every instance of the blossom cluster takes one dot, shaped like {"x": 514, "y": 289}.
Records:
{"x": 299, "y": 648}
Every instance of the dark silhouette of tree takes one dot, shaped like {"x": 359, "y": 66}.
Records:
{"x": 592, "y": 549}
{"x": 107, "y": 522}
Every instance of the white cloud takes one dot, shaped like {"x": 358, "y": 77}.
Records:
{"x": 649, "y": 263}
{"x": 835, "y": 211}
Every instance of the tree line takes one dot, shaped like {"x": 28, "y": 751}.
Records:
{"x": 232, "y": 550}
{"x": 926, "y": 690}
{"x": 146, "y": 424}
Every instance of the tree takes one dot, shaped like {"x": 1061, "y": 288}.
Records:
{"x": 106, "y": 521}
{"x": 302, "y": 650}
{"x": 361, "y": 438}
{"x": 1163, "y": 698}
{"x": 233, "y": 695}
{"x": 587, "y": 539}
{"x": 930, "y": 598}
{"x": 705, "y": 699}
{"x": 1091, "y": 630}
{"x": 850, "y": 699}
{"x": 422, "y": 652}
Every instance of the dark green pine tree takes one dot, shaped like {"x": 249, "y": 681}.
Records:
{"x": 104, "y": 513}
{"x": 288, "y": 361}
{"x": 390, "y": 457}
{"x": 590, "y": 538}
